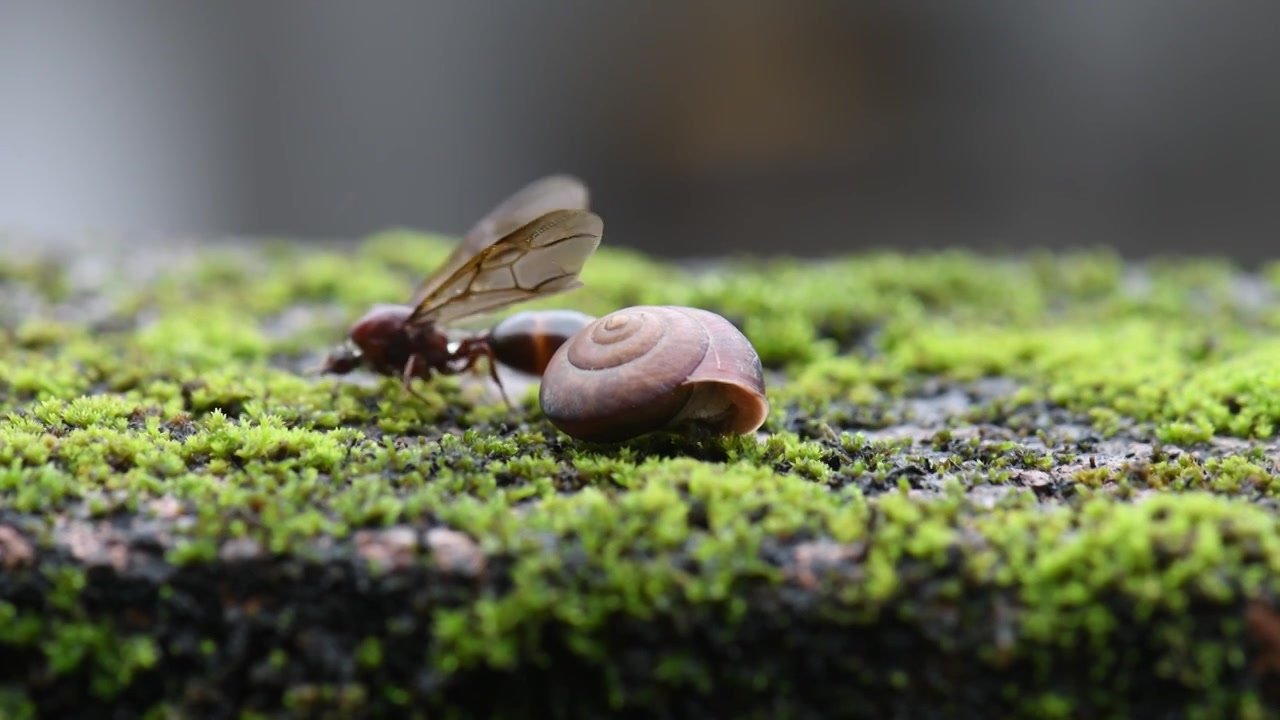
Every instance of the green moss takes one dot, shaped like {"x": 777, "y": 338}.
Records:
{"x": 1041, "y": 484}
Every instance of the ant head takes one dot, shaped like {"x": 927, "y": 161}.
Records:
{"x": 342, "y": 360}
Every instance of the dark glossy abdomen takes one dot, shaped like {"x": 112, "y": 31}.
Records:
{"x": 527, "y": 340}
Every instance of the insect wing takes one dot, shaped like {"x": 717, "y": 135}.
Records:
{"x": 542, "y": 258}
{"x": 554, "y": 192}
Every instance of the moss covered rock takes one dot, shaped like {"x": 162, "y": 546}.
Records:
{"x": 1041, "y": 486}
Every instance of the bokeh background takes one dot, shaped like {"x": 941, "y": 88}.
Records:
{"x": 703, "y": 127}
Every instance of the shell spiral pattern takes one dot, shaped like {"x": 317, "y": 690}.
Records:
{"x": 643, "y": 368}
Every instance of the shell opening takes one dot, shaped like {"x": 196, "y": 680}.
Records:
{"x": 724, "y": 407}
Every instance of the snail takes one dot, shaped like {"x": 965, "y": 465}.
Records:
{"x": 654, "y": 367}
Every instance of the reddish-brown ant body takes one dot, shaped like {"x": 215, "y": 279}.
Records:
{"x": 532, "y": 245}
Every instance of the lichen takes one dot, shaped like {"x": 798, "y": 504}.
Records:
{"x": 1040, "y": 486}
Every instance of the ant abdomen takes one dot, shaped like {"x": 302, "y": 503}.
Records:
{"x": 527, "y": 340}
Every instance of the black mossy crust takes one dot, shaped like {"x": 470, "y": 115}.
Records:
{"x": 926, "y": 652}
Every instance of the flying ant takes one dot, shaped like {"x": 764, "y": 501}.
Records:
{"x": 532, "y": 245}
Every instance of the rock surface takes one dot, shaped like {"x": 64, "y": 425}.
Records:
{"x": 1017, "y": 487}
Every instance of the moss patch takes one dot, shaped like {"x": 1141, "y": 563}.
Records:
{"x": 1041, "y": 486}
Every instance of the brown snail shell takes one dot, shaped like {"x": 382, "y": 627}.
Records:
{"x": 654, "y": 367}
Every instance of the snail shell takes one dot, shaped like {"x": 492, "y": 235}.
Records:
{"x": 654, "y": 367}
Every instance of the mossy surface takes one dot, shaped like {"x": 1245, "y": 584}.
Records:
{"x": 1042, "y": 486}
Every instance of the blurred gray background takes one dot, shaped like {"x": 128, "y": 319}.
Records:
{"x": 703, "y": 127}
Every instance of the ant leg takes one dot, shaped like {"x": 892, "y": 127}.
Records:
{"x": 406, "y": 378}
{"x": 493, "y": 373}
{"x": 473, "y": 352}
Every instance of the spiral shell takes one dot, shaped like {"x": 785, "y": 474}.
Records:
{"x": 654, "y": 367}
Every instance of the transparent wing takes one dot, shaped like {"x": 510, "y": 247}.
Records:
{"x": 540, "y": 259}
{"x": 553, "y": 192}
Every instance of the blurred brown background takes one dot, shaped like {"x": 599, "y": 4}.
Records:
{"x": 703, "y": 127}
